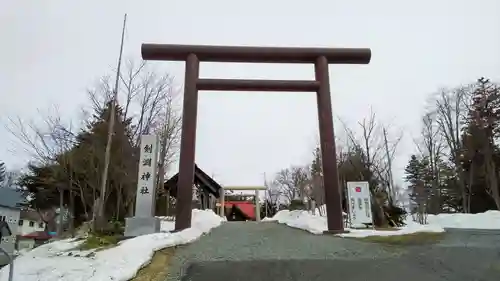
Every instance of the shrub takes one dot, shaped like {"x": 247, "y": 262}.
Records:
{"x": 297, "y": 205}
{"x": 395, "y": 215}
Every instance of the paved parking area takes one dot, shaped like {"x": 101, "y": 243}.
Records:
{"x": 270, "y": 251}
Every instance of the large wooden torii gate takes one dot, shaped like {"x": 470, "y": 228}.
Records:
{"x": 320, "y": 57}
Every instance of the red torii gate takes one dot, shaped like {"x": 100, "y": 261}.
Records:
{"x": 320, "y": 57}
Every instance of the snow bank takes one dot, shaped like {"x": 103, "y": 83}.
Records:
{"x": 436, "y": 223}
{"x": 57, "y": 260}
{"x": 317, "y": 224}
{"x": 486, "y": 220}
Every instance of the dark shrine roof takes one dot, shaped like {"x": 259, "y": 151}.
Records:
{"x": 201, "y": 179}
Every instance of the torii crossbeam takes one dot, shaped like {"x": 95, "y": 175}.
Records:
{"x": 320, "y": 57}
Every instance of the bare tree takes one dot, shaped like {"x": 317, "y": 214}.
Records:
{"x": 432, "y": 150}
{"x": 375, "y": 148}
{"x": 48, "y": 143}
{"x": 284, "y": 182}
{"x": 369, "y": 145}
{"x": 169, "y": 133}
{"x": 272, "y": 195}
{"x": 292, "y": 183}
{"x": 371, "y": 148}
{"x": 451, "y": 110}
{"x": 150, "y": 101}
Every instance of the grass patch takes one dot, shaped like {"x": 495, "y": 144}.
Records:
{"x": 388, "y": 228}
{"x": 157, "y": 269}
{"x": 94, "y": 241}
{"x": 419, "y": 238}
{"x": 496, "y": 266}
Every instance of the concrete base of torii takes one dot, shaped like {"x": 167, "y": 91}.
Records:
{"x": 136, "y": 226}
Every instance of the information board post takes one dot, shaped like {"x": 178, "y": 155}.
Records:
{"x": 144, "y": 220}
{"x": 360, "y": 207}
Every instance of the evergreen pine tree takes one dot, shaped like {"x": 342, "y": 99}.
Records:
{"x": 122, "y": 177}
{"x": 416, "y": 175}
{"x": 480, "y": 155}
{"x": 316, "y": 168}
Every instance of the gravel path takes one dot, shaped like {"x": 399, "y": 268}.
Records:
{"x": 270, "y": 251}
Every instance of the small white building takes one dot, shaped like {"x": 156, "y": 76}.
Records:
{"x": 31, "y": 230}
{"x": 29, "y": 221}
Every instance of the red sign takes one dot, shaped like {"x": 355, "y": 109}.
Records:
{"x": 358, "y": 189}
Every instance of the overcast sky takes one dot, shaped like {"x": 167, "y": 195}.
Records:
{"x": 51, "y": 51}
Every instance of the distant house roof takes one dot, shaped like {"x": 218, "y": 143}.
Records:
{"x": 39, "y": 235}
{"x": 11, "y": 198}
{"x": 31, "y": 215}
{"x": 201, "y": 179}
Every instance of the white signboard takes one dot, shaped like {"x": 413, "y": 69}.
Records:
{"x": 146, "y": 183}
{"x": 359, "y": 200}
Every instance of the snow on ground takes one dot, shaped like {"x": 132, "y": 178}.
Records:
{"x": 436, "y": 223}
{"x": 167, "y": 223}
{"x": 60, "y": 261}
{"x": 321, "y": 210}
{"x": 486, "y": 220}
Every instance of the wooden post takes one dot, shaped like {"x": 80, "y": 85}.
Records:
{"x": 257, "y": 205}
{"x": 331, "y": 185}
{"x": 222, "y": 199}
{"x": 188, "y": 144}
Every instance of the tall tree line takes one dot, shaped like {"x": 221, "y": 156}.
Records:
{"x": 457, "y": 167}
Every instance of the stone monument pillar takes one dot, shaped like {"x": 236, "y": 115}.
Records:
{"x": 144, "y": 221}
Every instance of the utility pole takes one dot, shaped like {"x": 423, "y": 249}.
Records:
{"x": 265, "y": 195}
{"x": 389, "y": 163}
{"x": 161, "y": 169}
{"x": 107, "y": 155}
